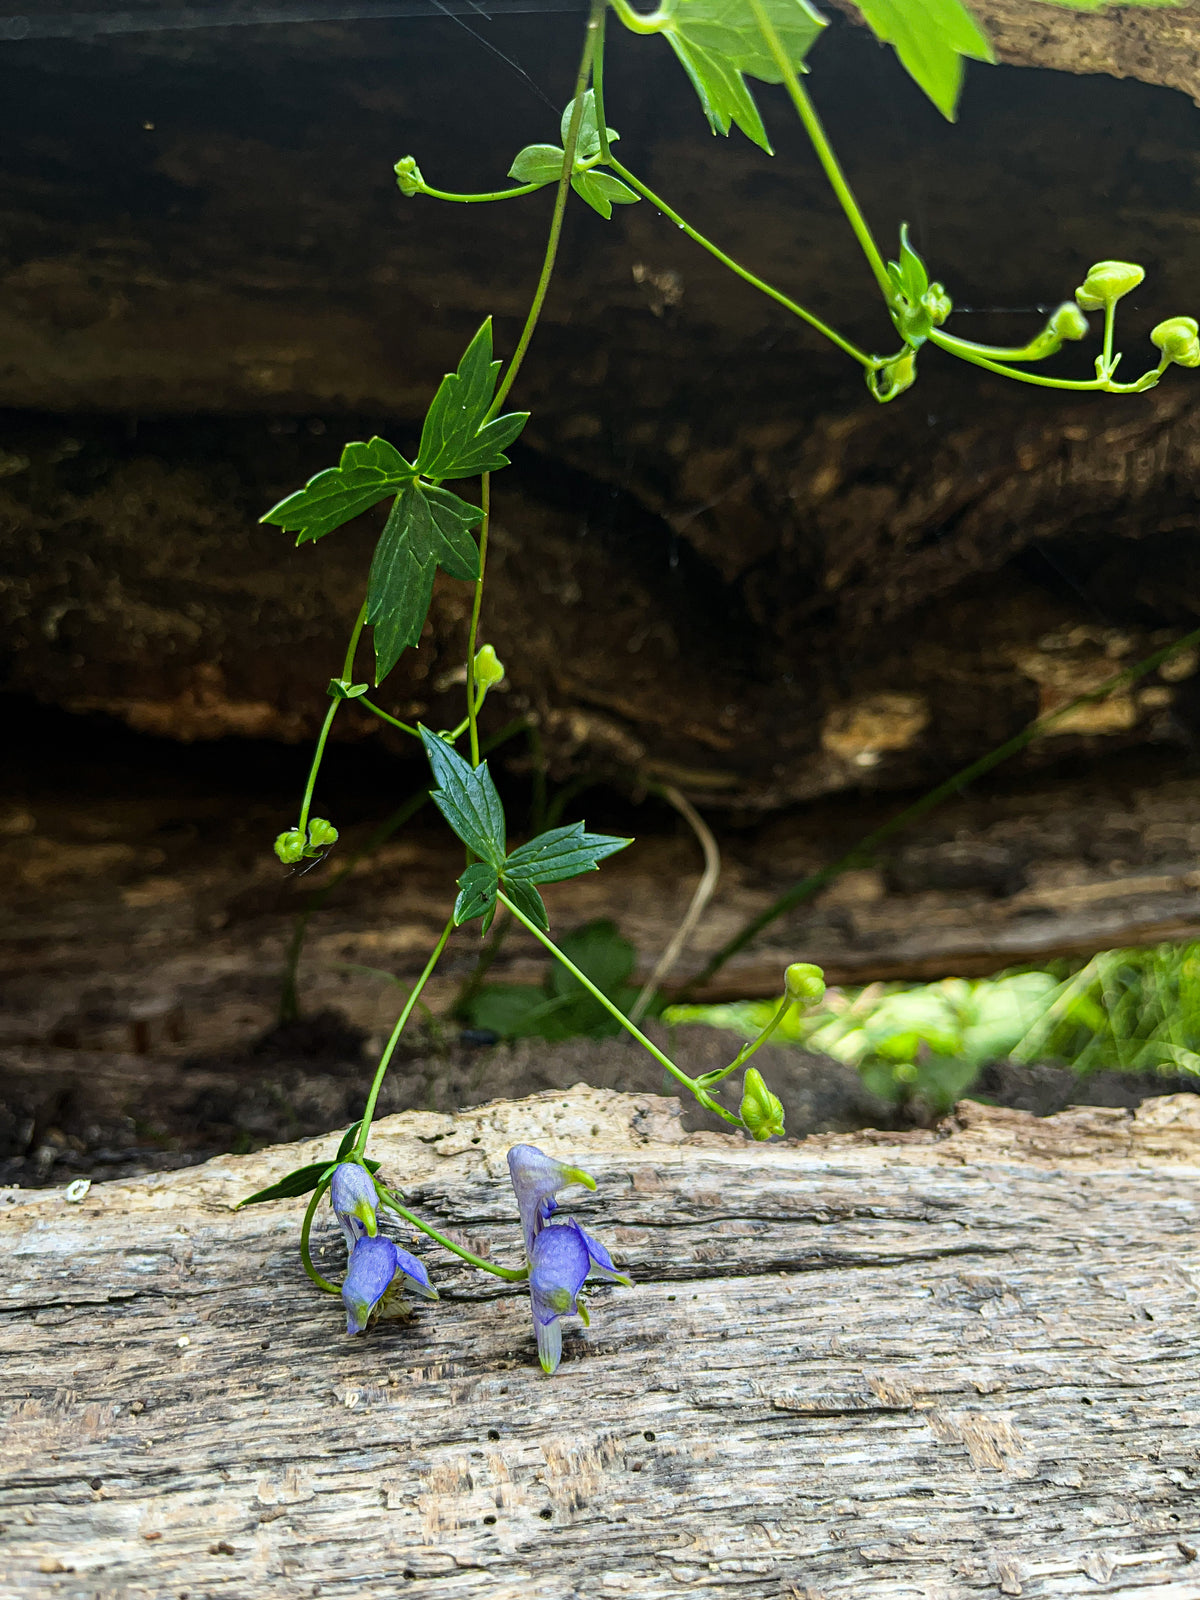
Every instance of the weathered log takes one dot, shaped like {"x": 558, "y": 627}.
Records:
{"x": 956, "y": 1364}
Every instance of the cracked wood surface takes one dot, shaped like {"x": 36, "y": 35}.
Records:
{"x": 934, "y": 1365}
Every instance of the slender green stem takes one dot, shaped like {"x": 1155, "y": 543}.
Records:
{"x": 360, "y": 1144}
{"x": 595, "y": 18}
{"x": 395, "y": 721}
{"x": 748, "y": 1049}
{"x": 480, "y": 199}
{"x": 863, "y": 852}
{"x": 807, "y": 113}
{"x": 1110, "y": 324}
{"x": 352, "y": 647}
{"x": 598, "y": 93}
{"x": 513, "y": 1274}
{"x": 305, "y": 1253}
{"x": 318, "y": 756}
{"x": 969, "y": 352}
{"x": 689, "y": 1084}
{"x": 744, "y": 273}
{"x": 474, "y": 700}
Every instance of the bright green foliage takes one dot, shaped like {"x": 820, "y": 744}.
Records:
{"x": 426, "y": 528}
{"x": 466, "y": 796}
{"x": 561, "y": 1008}
{"x": 720, "y": 44}
{"x": 919, "y": 306}
{"x": 760, "y": 1110}
{"x": 367, "y": 474}
{"x": 468, "y": 800}
{"x": 543, "y": 163}
{"x": 457, "y": 440}
{"x": 931, "y": 37}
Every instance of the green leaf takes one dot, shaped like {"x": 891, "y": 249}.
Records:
{"x": 456, "y": 441}
{"x": 367, "y": 474}
{"x": 602, "y": 191}
{"x": 561, "y": 853}
{"x": 347, "y": 1140}
{"x": 302, "y": 1181}
{"x": 931, "y": 37}
{"x": 427, "y": 527}
{"x": 717, "y": 41}
{"x": 477, "y": 894}
{"x": 538, "y": 163}
{"x": 587, "y": 140}
{"x": 909, "y": 274}
{"x": 526, "y": 898}
{"x": 467, "y": 798}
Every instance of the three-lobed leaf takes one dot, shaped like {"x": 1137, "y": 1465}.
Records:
{"x": 560, "y": 853}
{"x": 719, "y": 43}
{"x": 931, "y": 38}
{"x": 467, "y": 798}
{"x": 427, "y": 527}
{"x": 367, "y": 474}
{"x": 457, "y": 440}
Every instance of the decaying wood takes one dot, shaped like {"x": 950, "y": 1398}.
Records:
{"x": 952, "y": 1365}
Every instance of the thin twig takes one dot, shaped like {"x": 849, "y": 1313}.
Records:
{"x": 705, "y": 890}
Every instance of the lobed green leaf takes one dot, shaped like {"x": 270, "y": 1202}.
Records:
{"x": 367, "y": 474}
{"x": 602, "y": 191}
{"x": 931, "y": 38}
{"x": 560, "y": 853}
{"x": 467, "y": 798}
{"x": 457, "y": 441}
{"x": 427, "y": 527}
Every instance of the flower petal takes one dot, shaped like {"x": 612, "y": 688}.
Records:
{"x": 415, "y": 1274}
{"x": 373, "y": 1265}
{"x": 602, "y": 1265}
{"x": 549, "y": 1344}
{"x": 353, "y": 1198}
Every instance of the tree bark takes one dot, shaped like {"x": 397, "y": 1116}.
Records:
{"x": 953, "y": 1364}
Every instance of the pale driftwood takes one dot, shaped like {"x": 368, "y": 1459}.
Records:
{"x": 941, "y": 1366}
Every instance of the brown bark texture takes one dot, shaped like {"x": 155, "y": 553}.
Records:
{"x": 955, "y": 1364}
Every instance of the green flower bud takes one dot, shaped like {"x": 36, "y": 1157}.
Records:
{"x": 761, "y": 1111}
{"x": 408, "y": 176}
{"x": 804, "y": 983}
{"x": 489, "y": 669}
{"x": 289, "y": 847}
{"x": 1106, "y": 282}
{"x": 893, "y": 377}
{"x": 343, "y": 689}
{"x": 321, "y": 835}
{"x": 1068, "y": 322}
{"x": 1178, "y": 340}
{"x": 937, "y": 304}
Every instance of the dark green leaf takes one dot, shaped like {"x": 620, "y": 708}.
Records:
{"x": 517, "y": 1011}
{"x": 931, "y": 37}
{"x": 717, "y": 41}
{"x": 427, "y": 527}
{"x": 467, "y": 798}
{"x": 526, "y": 898}
{"x": 347, "y": 1141}
{"x": 561, "y": 853}
{"x": 303, "y": 1180}
{"x": 538, "y": 163}
{"x": 456, "y": 442}
{"x": 368, "y": 473}
{"x": 602, "y": 191}
{"x": 477, "y": 893}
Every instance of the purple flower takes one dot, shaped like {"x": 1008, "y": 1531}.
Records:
{"x": 537, "y": 1178}
{"x": 353, "y": 1198}
{"x": 561, "y": 1261}
{"x": 375, "y": 1264}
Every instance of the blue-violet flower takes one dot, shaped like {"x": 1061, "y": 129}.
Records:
{"x": 355, "y": 1203}
{"x": 562, "y": 1259}
{"x": 375, "y": 1263}
{"x": 537, "y": 1178}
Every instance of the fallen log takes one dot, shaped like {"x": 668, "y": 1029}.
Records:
{"x": 948, "y": 1364}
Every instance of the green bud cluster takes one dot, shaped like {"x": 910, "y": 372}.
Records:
{"x": 295, "y": 845}
{"x": 804, "y": 983}
{"x": 760, "y": 1110}
{"x": 1106, "y": 282}
{"x": 408, "y": 176}
{"x": 1179, "y": 340}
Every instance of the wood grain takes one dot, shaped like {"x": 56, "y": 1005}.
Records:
{"x": 937, "y": 1366}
